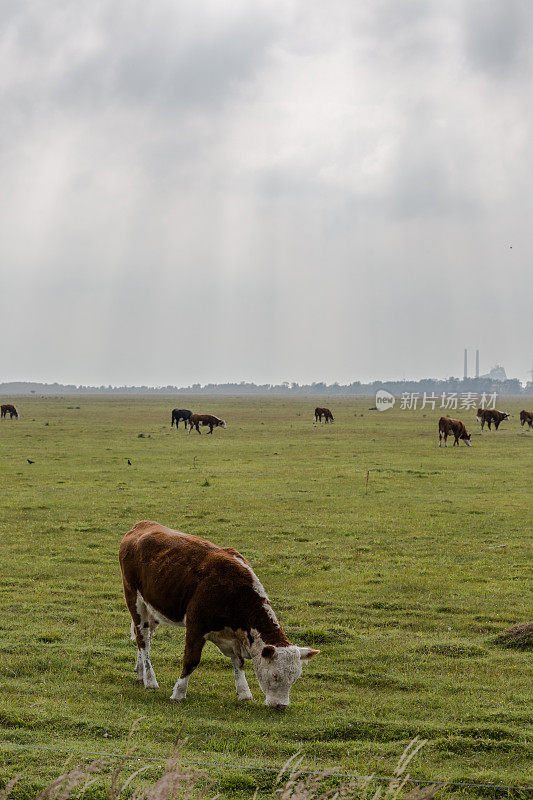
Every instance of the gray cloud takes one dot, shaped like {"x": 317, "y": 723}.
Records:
{"x": 498, "y": 36}
{"x": 294, "y": 192}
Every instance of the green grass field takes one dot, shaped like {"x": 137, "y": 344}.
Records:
{"x": 403, "y": 587}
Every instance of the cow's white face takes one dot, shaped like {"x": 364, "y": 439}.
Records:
{"x": 468, "y": 442}
{"x": 277, "y": 669}
{"x": 222, "y": 424}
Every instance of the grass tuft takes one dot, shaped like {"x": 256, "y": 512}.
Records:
{"x": 519, "y": 636}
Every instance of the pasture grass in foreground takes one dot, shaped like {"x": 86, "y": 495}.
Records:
{"x": 403, "y": 585}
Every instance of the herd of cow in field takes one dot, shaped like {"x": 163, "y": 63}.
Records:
{"x": 489, "y": 416}
{"x": 213, "y": 592}
{"x": 447, "y": 426}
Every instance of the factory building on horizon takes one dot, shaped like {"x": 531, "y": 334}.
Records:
{"x": 496, "y": 373}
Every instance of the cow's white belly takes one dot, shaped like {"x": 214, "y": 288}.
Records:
{"x": 157, "y": 615}
{"x": 231, "y": 643}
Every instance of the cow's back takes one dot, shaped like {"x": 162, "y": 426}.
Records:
{"x": 205, "y": 419}
{"x": 448, "y": 425}
{"x": 166, "y": 567}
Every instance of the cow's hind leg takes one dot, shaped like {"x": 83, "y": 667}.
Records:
{"x": 194, "y": 643}
{"x": 139, "y": 671}
{"x": 143, "y": 628}
{"x": 148, "y": 628}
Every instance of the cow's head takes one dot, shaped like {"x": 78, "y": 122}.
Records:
{"x": 505, "y": 415}
{"x": 467, "y": 438}
{"x": 277, "y": 669}
{"x": 479, "y": 413}
{"x": 221, "y": 423}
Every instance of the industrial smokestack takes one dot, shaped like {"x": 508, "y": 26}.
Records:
{"x": 477, "y": 363}
{"x": 465, "y": 376}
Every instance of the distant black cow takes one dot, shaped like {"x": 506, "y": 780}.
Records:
{"x": 180, "y": 413}
{"x": 323, "y": 412}
{"x": 526, "y": 416}
{"x": 6, "y": 409}
{"x": 490, "y": 416}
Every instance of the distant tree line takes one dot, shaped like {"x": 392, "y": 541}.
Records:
{"x": 356, "y": 388}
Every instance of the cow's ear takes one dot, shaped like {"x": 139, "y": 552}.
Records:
{"x": 307, "y": 652}
{"x": 268, "y": 651}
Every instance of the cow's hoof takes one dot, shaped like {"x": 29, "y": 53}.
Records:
{"x": 247, "y": 697}
{"x": 176, "y": 699}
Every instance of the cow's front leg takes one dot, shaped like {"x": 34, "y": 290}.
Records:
{"x": 241, "y": 684}
{"x": 194, "y": 644}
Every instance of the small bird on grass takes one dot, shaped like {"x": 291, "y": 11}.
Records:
{"x": 129, "y": 463}
{"x": 30, "y": 461}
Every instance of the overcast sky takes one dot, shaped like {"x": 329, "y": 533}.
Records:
{"x": 264, "y": 190}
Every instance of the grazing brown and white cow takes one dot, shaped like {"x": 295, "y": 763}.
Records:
{"x": 6, "y": 409}
{"x": 323, "y": 412}
{"x": 195, "y": 420}
{"x": 490, "y": 416}
{"x": 455, "y": 428}
{"x": 214, "y": 593}
{"x": 526, "y": 416}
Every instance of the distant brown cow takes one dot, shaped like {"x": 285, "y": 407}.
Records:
{"x": 490, "y": 415}
{"x": 195, "y": 420}
{"x": 526, "y": 416}
{"x": 455, "y": 428}
{"x": 323, "y": 412}
{"x": 8, "y": 409}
